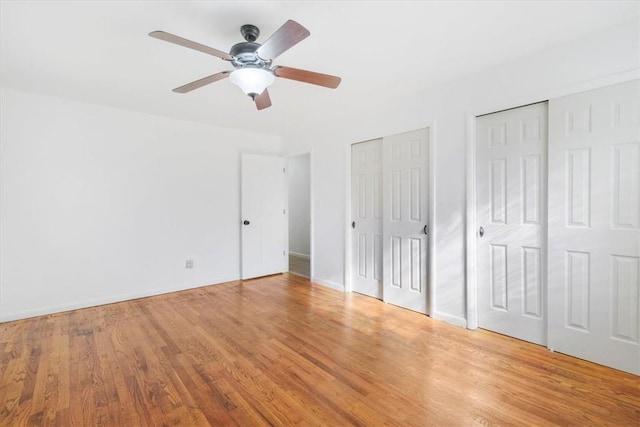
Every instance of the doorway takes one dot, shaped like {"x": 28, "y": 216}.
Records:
{"x": 299, "y": 186}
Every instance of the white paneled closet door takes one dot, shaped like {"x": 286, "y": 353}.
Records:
{"x": 511, "y": 214}
{"x": 366, "y": 210}
{"x": 594, "y": 226}
{"x": 405, "y": 219}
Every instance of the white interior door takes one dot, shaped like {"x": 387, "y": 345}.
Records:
{"x": 405, "y": 216}
{"x": 511, "y": 214}
{"x": 264, "y": 226}
{"x": 366, "y": 209}
{"x": 594, "y": 226}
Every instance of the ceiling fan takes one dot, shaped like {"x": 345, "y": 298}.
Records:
{"x": 253, "y": 72}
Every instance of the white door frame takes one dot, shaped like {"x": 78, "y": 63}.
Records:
{"x": 348, "y": 241}
{"x": 470, "y": 142}
{"x": 471, "y": 225}
{"x": 348, "y": 238}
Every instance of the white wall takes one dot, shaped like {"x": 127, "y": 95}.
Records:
{"x": 604, "y": 58}
{"x": 100, "y": 205}
{"x": 299, "y": 204}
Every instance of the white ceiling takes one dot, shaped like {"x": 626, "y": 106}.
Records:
{"x": 99, "y": 51}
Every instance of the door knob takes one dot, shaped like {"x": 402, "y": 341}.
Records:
{"x": 246, "y": 222}
{"x": 353, "y": 224}
{"x": 425, "y": 230}
{"x": 481, "y": 231}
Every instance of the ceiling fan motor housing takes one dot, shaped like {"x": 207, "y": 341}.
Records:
{"x": 244, "y": 55}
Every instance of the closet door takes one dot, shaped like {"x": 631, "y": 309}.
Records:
{"x": 594, "y": 226}
{"x": 366, "y": 223}
{"x": 405, "y": 219}
{"x": 511, "y": 213}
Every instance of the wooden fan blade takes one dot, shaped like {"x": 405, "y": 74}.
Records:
{"x": 202, "y": 82}
{"x": 263, "y": 100}
{"x": 305, "y": 76}
{"x": 287, "y": 36}
{"x": 171, "y": 38}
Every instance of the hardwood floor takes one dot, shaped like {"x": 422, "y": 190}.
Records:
{"x": 280, "y": 351}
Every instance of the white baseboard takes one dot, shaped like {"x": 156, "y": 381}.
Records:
{"x": 328, "y": 284}
{"x": 59, "y": 308}
{"x": 454, "y": 320}
{"x": 299, "y": 255}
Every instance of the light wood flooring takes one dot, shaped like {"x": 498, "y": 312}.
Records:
{"x": 282, "y": 351}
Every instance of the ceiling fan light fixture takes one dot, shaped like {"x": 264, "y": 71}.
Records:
{"x": 252, "y": 61}
{"x": 252, "y": 81}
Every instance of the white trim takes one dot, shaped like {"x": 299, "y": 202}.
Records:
{"x": 311, "y": 212}
{"x": 453, "y": 320}
{"x": 348, "y": 238}
{"x": 285, "y": 170}
{"x": 299, "y": 255}
{"x": 328, "y": 284}
{"x": 431, "y": 271}
{"x": 59, "y": 308}
{"x": 557, "y": 92}
{"x": 609, "y": 80}
{"x": 471, "y": 225}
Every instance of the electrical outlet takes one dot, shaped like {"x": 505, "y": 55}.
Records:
{"x": 189, "y": 263}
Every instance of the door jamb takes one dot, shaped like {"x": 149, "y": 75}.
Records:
{"x": 348, "y": 283}
{"x": 431, "y": 271}
{"x": 471, "y": 225}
